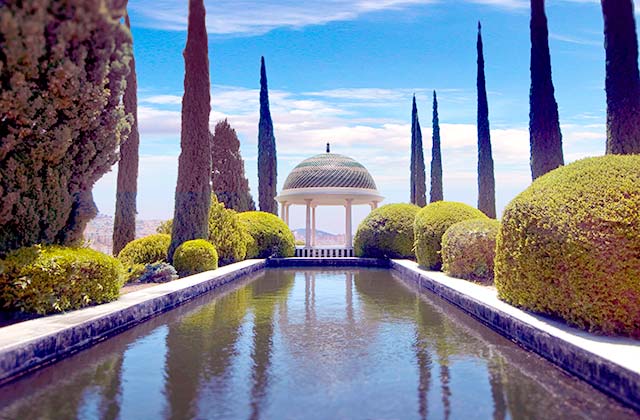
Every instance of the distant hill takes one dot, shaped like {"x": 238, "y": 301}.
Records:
{"x": 99, "y": 231}
{"x": 322, "y": 237}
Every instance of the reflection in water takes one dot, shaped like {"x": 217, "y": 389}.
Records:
{"x": 307, "y": 344}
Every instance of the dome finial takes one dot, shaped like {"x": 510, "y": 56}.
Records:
{"x": 328, "y": 148}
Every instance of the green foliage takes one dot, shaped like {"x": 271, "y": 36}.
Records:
{"x": 148, "y": 250}
{"x": 160, "y": 272}
{"x": 468, "y": 249}
{"x": 432, "y": 222}
{"x": 226, "y": 233}
{"x": 569, "y": 245}
{"x": 196, "y": 256}
{"x": 270, "y": 236}
{"x": 387, "y": 232}
{"x": 267, "y": 160}
{"x": 62, "y": 76}
{"x": 46, "y": 279}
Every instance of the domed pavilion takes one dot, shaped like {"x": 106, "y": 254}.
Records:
{"x": 328, "y": 179}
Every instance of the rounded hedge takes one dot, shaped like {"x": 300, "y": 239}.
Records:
{"x": 270, "y": 236}
{"x": 569, "y": 245}
{"x": 46, "y": 279}
{"x": 387, "y": 232}
{"x": 469, "y": 248}
{"x": 147, "y": 250}
{"x": 432, "y": 222}
{"x": 195, "y": 256}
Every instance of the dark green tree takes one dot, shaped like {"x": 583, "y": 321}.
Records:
{"x": 418, "y": 178}
{"x": 436, "y": 156}
{"x": 486, "y": 180}
{"x": 193, "y": 189}
{"x": 545, "y": 137}
{"x": 62, "y": 75}
{"x": 124, "y": 224}
{"x": 228, "y": 180}
{"x": 267, "y": 162}
{"x": 622, "y": 79}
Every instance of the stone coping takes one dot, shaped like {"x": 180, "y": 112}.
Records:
{"x": 611, "y": 364}
{"x": 28, "y": 345}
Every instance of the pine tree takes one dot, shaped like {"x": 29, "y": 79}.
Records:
{"x": 124, "y": 225}
{"x": 62, "y": 75}
{"x": 418, "y": 177}
{"x": 227, "y": 169}
{"x": 486, "y": 180}
{"x": 436, "y": 156}
{"x": 193, "y": 189}
{"x": 544, "y": 126}
{"x": 622, "y": 79}
{"x": 267, "y": 162}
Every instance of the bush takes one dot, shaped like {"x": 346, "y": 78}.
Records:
{"x": 140, "y": 252}
{"x": 160, "y": 272}
{"x": 270, "y": 236}
{"x": 387, "y": 232}
{"x": 432, "y": 222}
{"x": 226, "y": 233}
{"x": 46, "y": 279}
{"x": 196, "y": 256}
{"x": 569, "y": 245}
{"x": 468, "y": 249}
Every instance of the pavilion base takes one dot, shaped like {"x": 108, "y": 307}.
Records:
{"x": 324, "y": 252}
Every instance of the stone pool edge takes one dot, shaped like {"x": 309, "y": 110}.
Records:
{"x": 30, "y": 345}
{"x": 615, "y": 380}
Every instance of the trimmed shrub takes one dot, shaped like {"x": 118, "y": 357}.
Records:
{"x": 140, "y": 252}
{"x": 468, "y": 249}
{"x": 569, "y": 245}
{"x": 226, "y": 233}
{"x": 46, "y": 279}
{"x": 160, "y": 272}
{"x": 270, "y": 236}
{"x": 387, "y": 232}
{"x": 432, "y": 222}
{"x": 196, "y": 256}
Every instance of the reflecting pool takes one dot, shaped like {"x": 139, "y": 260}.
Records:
{"x": 307, "y": 344}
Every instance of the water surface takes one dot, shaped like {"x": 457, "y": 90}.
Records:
{"x": 307, "y": 344}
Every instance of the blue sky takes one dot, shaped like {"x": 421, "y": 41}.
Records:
{"x": 344, "y": 71}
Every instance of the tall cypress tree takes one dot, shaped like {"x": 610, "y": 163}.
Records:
{"x": 267, "y": 162}
{"x": 124, "y": 225}
{"x": 486, "y": 180}
{"x": 193, "y": 190}
{"x": 436, "y": 156}
{"x": 227, "y": 169}
{"x": 545, "y": 137}
{"x": 418, "y": 181}
{"x": 622, "y": 79}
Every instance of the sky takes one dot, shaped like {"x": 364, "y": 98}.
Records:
{"x": 344, "y": 72}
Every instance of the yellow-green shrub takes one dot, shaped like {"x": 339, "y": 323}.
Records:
{"x": 387, "y": 232}
{"x": 226, "y": 232}
{"x": 569, "y": 245}
{"x": 196, "y": 256}
{"x": 45, "y": 279}
{"x": 432, "y": 222}
{"x": 468, "y": 249}
{"x": 271, "y": 237}
{"x": 140, "y": 252}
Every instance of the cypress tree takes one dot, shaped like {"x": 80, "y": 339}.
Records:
{"x": 124, "y": 225}
{"x": 436, "y": 156}
{"x": 267, "y": 162}
{"x": 545, "y": 137}
{"x": 193, "y": 189}
{"x": 418, "y": 178}
{"x": 62, "y": 75}
{"x": 486, "y": 180}
{"x": 622, "y": 78}
{"x": 227, "y": 169}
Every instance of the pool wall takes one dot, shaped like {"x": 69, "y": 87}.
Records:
{"x": 609, "y": 364}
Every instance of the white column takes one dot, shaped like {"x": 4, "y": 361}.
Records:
{"x": 307, "y": 240}
{"x": 374, "y": 205}
{"x": 283, "y": 211}
{"x": 287, "y": 209}
{"x": 348, "y": 223}
{"x": 313, "y": 225}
